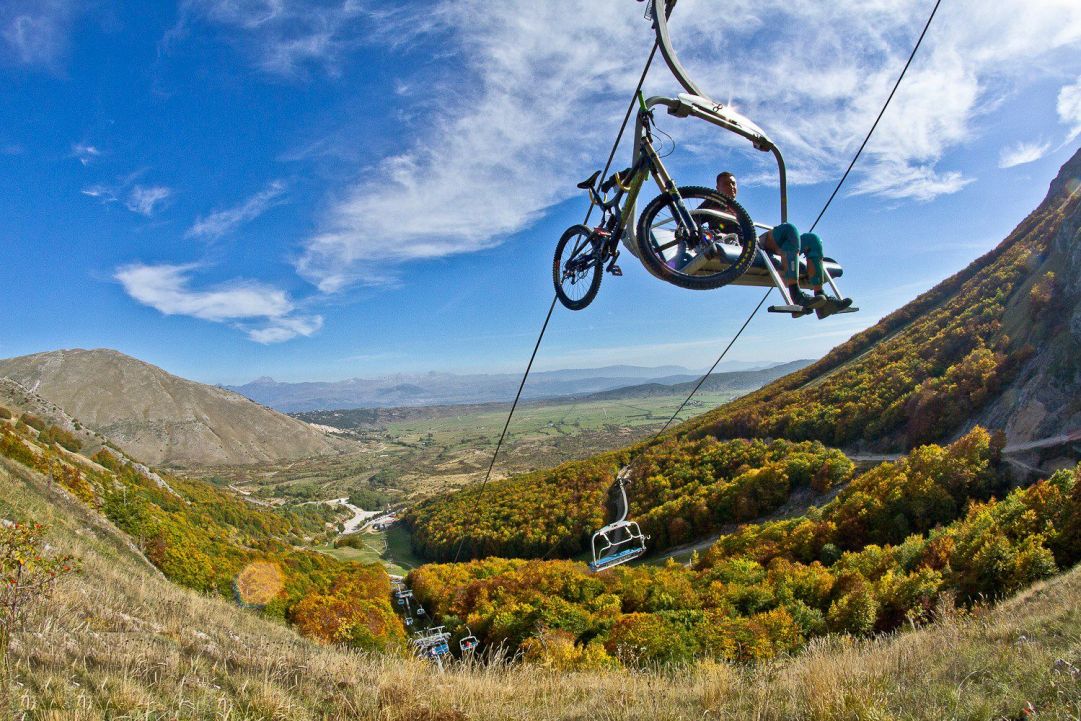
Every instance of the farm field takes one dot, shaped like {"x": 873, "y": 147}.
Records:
{"x": 438, "y": 449}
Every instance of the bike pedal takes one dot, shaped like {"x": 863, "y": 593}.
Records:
{"x": 615, "y": 270}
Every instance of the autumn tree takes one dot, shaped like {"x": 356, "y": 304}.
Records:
{"x": 28, "y": 576}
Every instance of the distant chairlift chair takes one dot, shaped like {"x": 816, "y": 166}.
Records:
{"x": 469, "y": 643}
{"x": 621, "y": 540}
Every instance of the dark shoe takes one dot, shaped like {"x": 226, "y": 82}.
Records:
{"x": 831, "y": 306}
{"x": 809, "y": 302}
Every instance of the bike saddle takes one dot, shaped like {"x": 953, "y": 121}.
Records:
{"x": 589, "y": 182}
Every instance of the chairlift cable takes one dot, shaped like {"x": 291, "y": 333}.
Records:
{"x": 702, "y": 380}
{"x": 715, "y": 364}
{"x": 544, "y": 327}
{"x": 510, "y": 415}
{"x": 880, "y": 114}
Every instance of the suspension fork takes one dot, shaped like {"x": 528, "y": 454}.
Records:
{"x": 668, "y": 186}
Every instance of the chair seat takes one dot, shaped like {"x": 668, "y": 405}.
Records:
{"x": 616, "y": 558}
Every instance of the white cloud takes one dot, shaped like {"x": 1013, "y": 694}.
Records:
{"x": 142, "y": 199}
{"x": 1022, "y": 152}
{"x": 533, "y": 92}
{"x": 36, "y": 33}
{"x": 265, "y": 313}
{"x": 1069, "y": 108}
{"x": 283, "y": 37}
{"x": 225, "y": 221}
{"x": 84, "y": 152}
{"x": 104, "y": 193}
{"x": 145, "y": 200}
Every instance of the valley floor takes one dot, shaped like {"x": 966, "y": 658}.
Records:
{"x": 121, "y": 642}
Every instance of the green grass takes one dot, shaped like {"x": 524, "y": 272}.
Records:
{"x": 443, "y": 449}
{"x": 391, "y": 548}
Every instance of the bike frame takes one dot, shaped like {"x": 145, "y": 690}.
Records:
{"x": 647, "y": 163}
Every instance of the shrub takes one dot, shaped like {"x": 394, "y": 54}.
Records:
{"x": 33, "y": 421}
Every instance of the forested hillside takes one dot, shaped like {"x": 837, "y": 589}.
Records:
{"x": 680, "y": 491}
{"x": 892, "y": 547}
{"x": 989, "y": 342}
{"x": 928, "y": 369}
{"x": 207, "y": 539}
{"x": 120, "y": 641}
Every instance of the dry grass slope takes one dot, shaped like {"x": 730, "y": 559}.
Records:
{"x": 121, "y": 642}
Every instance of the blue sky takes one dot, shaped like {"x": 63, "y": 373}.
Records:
{"x": 320, "y": 190}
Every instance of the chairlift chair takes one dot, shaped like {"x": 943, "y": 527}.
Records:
{"x": 764, "y": 272}
{"x": 469, "y": 642}
{"x": 621, "y": 540}
{"x": 432, "y": 642}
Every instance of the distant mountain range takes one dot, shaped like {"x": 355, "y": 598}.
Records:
{"x": 433, "y": 388}
{"x": 162, "y": 419}
{"x": 736, "y": 381}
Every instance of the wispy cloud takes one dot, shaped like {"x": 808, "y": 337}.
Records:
{"x": 1022, "y": 152}
{"x": 1069, "y": 108}
{"x": 84, "y": 152}
{"x": 36, "y": 33}
{"x": 225, "y": 221}
{"x": 266, "y": 314}
{"x": 282, "y": 37}
{"x": 145, "y": 200}
{"x": 536, "y": 92}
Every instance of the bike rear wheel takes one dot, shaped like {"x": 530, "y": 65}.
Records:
{"x": 576, "y": 268}
{"x": 670, "y": 250}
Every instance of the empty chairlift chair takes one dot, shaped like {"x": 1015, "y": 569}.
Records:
{"x": 621, "y": 540}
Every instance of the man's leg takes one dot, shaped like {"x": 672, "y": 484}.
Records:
{"x": 811, "y": 245}
{"x": 787, "y": 239}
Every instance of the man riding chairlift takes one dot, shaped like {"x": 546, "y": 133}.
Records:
{"x": 784, "y": 240}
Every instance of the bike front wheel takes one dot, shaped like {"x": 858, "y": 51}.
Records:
{"x": 719, "y": 252}
{"x": 576, "y": 269}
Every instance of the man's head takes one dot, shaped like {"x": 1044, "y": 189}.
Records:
{"x": 726, "y": 183}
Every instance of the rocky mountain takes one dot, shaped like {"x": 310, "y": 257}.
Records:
{"x": 161, "y": 418}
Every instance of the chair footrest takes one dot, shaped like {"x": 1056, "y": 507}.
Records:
{"x": 786, "y": 309}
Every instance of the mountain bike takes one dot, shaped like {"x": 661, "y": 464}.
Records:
{"x": 699, "y": 248}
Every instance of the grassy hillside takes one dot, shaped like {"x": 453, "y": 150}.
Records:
{"x": 121, "y": 642}
{"x": 160, "y": 418}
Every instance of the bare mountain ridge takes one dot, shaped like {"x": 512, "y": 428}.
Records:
{"x": 160, "y": 418}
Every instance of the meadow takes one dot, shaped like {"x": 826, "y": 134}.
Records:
{"x": 444, "y": 448}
